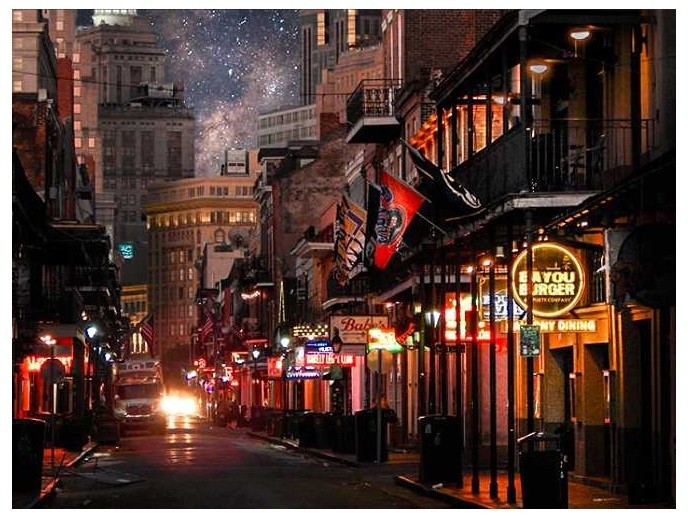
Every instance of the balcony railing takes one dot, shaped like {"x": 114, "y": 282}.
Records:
{"x": 370, "y": 111}
{"x": 564, "y": 155}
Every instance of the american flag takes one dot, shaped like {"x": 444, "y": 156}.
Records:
{"x": 205, "y": 330}
{"x": 147, "y": 332}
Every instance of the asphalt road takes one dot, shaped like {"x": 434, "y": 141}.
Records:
{"x": 196, "y": 466}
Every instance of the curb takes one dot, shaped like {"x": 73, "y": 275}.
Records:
{"x": 310, "y": 451}
{"x": 49, "y": 491}
{"x": 436, "y": 494}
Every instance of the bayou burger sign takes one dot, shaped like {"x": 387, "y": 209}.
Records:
{"x": 557, "y": 280}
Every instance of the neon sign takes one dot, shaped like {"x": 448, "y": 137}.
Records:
{"x": 557, "y": 280}
{"x": 327, "y": 359}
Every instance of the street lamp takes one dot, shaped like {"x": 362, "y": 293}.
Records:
{"x": 49, "y": 341}
{"x": 91, "y": 333}
{"x": 255, "y": 353}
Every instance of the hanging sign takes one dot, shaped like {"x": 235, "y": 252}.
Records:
{"x": 557, "y": 280}
{"x": 530, "y": 340}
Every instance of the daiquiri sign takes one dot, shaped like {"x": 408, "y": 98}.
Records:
{"x": 558, "y": 280}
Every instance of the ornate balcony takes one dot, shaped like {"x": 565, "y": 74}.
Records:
{"x": 370, "y": 112}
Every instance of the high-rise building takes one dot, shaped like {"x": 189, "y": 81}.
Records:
{"x": 325, "y": 35}
{"x": 183, "y": 216}
{"x": 131, "y": 126}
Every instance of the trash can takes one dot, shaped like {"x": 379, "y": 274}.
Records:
{"x": 366, "y": 436}
{"x": 343, "y": 434}
{"x": 544, "y": 480}
{"x": 28, "y": 441}
{"x": 306, "y": 435}
{"x": 440, "y": 449}
{"x": 323, "y": 430}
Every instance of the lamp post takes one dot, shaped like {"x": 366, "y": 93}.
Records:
{"x": 49, "y": 341}
{"x": 432, "y": 318}
{"x": 91, "y": 333}
{"x": 284, "y": 343}
{"x": 255, "y": 354}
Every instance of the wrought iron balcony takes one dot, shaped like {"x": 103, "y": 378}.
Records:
{"x": 370, "y": 112}
{"x": 563, "y": 156}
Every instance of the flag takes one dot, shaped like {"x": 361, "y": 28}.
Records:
{"x": 147, "y": 332}
{"x": 449, "y": 197}
{"x": 349, "y": 240}
{"x": 398, "y": 204}
{"x": 205, "y": 330}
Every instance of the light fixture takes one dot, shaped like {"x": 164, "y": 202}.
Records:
{"x": 256, "y": 353}
{"x": 91, "y": 331}
{"x": 514, "y": 246}
{"x": 538, "y": 68}
{"x": 284, "y": 342}
{"x": 432, "y": 317}
{"x": 580, "y": 34}
{"x": 499, "y": 252}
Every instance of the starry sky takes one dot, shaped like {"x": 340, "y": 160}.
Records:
{"x": 233, "y": 64}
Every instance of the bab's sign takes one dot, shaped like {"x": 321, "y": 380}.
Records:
{"x": 557, "y": 283}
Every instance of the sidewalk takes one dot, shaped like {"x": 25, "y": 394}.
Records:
{"x": 580, "y": 495}
{"x": 53, "y": 464}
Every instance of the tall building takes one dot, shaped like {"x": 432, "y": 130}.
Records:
{"x": 182, "y": 217}
{"x": 328, "y": 33}
{"x": 131, "y": 126}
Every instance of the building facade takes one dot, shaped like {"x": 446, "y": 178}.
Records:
{"x": 182, "y": 217}
{"x": 131, "y": 125}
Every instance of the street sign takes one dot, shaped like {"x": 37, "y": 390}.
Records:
{"x": 530, "y": 340}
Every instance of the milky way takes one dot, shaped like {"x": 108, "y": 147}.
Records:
{"x": 233, "y": 64}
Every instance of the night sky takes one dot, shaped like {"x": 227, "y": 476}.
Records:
{"x": 233, "y": 64}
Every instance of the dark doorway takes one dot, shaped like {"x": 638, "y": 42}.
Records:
{"x": 564, "y": 360}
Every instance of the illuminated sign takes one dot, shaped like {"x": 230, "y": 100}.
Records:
{"x": 126, "y": 249}
{"x": 383, "y": 339}
{"x": 557, "y": 280}
{"x": 353, "y": 329}
{"x": 318, "y": 347}
{"x": 274, "y": 367}
{"x": 301, "y": 372}
{"x": 327, "y": 359}
{"x": 563, "y": 325}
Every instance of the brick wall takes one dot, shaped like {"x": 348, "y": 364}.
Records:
{"x": 441, "y": 38}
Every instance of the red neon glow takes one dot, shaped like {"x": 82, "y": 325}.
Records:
{"x": 343, "y": 359}
{"x": 34, "y": 363}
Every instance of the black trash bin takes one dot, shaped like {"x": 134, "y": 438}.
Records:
{"x": 440, "y": 449}
{"x": 343, "y": 434}
{"x": 307, "y": 435}
{"x": 323, "y": 430}
{"x": 366, "y": 436}
{"x": 544, "y": 480}
{"x": 28, "y": 441}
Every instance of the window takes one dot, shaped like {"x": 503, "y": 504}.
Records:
{"x": 91, "y": 143}
{"x": 17, "y": 15}
{"x": 17, "y": 86}
{"x": 190, "y": 274}
{"x": 77, "y": 108}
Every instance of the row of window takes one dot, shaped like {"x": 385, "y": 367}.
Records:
{"x": 239, "y": 217}
{"x": 290, "y": 117}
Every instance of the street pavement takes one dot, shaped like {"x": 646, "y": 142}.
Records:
{"x": 580, "y": 495}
